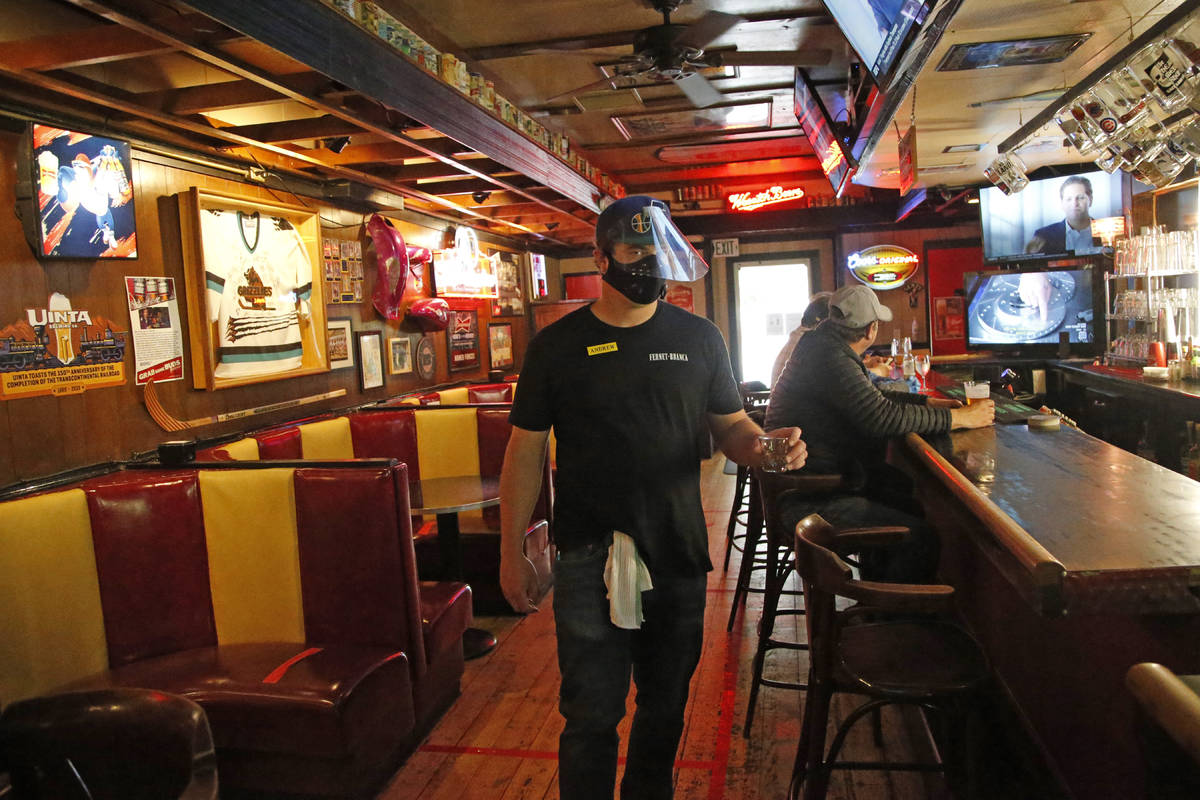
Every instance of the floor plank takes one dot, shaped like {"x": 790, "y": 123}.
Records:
{"x": 499, "y": 739}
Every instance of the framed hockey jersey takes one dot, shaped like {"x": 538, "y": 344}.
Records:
{"x": 255, "y": 311}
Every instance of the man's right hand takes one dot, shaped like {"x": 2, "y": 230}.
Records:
{"x": 518, "y": 581}
{"x": 977, "y": 415}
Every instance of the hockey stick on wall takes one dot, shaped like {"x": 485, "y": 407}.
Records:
{"x": 170, "y": 423}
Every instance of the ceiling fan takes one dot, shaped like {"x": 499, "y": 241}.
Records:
{"x": 672, "y": 52}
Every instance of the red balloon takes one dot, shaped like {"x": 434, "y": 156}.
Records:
{"x": 391, "y": 258}
{"x": 430, "y": 314}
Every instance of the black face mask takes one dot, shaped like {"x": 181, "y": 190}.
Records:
{"x": 640, "y": 289}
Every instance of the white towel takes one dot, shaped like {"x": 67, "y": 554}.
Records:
{"x": 626, "y": 576}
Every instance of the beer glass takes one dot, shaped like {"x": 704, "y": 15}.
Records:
{"x": 976, "y": 391}
{"x": 1007, "y": 172}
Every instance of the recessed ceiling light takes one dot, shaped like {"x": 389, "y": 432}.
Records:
{"x": 962, "y": 148}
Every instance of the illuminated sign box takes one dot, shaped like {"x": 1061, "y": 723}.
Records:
{"x": 457, "y": 274}
{"x": 883, "y": 267}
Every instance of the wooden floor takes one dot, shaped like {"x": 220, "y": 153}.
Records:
{"x": 499, "y": 740}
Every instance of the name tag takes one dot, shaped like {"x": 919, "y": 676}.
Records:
{"x": 597, "y": 349}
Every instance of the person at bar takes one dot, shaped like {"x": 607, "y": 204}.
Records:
{"x": 629, "y": 385}
{"x": 879, "y": 367}
{"x": 825, "y": 389}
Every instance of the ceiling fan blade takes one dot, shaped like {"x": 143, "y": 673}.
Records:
{"x": 803, "y": 57}
{"x": 698, "y": 90}
{"x": 603, "y": 83}
{"x": 711, "y": 26}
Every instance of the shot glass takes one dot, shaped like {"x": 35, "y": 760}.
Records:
{"x": 775, "y": 450}
{"x": 976, "y": 391}
{"x": 1007, "y": 172}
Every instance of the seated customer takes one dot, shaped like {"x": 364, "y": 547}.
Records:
{"x": 825, "y": 390}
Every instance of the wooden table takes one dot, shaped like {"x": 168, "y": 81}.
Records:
{"x": 445, "y": 498}
{"x": 1072, "y": 560}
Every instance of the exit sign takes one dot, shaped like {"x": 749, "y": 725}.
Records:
{"x": 724, "y": 248}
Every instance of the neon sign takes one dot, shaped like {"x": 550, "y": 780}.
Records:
{"x": 883, "y": 267}
{"x": 752, "y": 201}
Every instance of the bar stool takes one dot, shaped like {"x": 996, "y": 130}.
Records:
{"x": 1168, "y": 730}
{"x": 878, "y": 649}
{"x": 777, "y": 565}
{"x": 754, "y": 401}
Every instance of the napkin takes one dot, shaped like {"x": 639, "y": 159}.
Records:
{"x": 626, "y": 576}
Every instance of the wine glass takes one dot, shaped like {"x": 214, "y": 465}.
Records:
{"x": 923, "y": 370}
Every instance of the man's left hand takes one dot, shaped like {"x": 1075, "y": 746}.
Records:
{"x": 943, "y": 402}
{"x": 797, "y": 450}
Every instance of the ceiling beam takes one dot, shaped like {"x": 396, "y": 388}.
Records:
{"x": 235, "y": 94}
{"x": 294, "y": 130}
{"x": 100, "y": 44}
{"x": 614, "y": 38}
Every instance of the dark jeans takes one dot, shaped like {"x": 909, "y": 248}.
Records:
{"x": 596, "y": 658}
{"x": 913, "y": 560}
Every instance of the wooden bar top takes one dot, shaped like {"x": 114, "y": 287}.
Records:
{"x": 1085, "y": 526}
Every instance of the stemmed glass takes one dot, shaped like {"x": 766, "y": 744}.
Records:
{"x": 923, "y": 370}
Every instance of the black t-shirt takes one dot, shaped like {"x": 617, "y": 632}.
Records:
{"x": 628, "y": 407}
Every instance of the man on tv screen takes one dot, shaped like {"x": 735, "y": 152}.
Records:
{"x": 1074, "y": 233}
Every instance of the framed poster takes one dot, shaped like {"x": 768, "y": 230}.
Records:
{"x": 426, "y": 360}
{"x": 500, "y": 345}
{"x": 1011, "y": 53}
{"x": 84, "y": 195}
{"x": 400, "y": 356}
{"x": 464, "y": 340}
{"x": 341, "y": 353}
{"x": 511, "y": 299}
{"x": 538, "y": 288}
{"x": 948, "y": 318}
{"x": 254, "y": 289}
{"x": 370, "y": 359}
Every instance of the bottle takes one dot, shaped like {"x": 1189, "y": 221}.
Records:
{"x": 895, "y": 342}
{"x": 906, "y": 347}
{"x": 914, "y": 329}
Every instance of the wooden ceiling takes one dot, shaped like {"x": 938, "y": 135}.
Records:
{"x": 273, "y": 86}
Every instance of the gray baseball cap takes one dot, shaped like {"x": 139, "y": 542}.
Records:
{"x": 856, "y": 306}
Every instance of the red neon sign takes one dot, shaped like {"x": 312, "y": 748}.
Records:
{"x": 752, "y": 201}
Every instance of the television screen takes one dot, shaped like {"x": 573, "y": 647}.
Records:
{"x": 819, "y": 128}
{"x": 1050, "y": 216}
{"x": 84, "y": 195}
{"x": 878, "y": 30}
{"x": 1018, "y": 308}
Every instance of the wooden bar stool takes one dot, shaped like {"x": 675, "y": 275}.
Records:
{"x": 884, "y": 648}
{"x": 777, "y": 565}
{"x": 1168, "y": 730}
{"x": 754, "y": 401}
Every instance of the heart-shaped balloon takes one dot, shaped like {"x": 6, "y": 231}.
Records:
{"x": 392, "y": 264}
{"x": 430, "y": 314}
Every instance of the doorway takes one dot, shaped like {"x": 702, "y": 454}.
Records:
{"x": 770, "y": 295}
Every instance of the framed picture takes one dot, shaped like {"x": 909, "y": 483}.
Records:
{"x": 1012, "y": 53}
{"x": 538, "y": 289}
{"x": 661, "y": 124}
{"x": 84, "y": 195}
{"x": 500, "y": 345}
{"x": 464, "y": 340}
{"x": 426, "y": 361}
{"x": 511, "y": 299}
{"x": 370, "y": 359}
{"x": 400, "y": 356}
{"x": 254, "y": 289}
{"x": 338, "y": 340}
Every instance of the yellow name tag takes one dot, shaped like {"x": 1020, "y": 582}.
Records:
{"x": 607, "y": 347}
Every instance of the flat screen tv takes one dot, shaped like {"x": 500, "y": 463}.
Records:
{"x": 83, "y": 193}
{"x": 1024, "y": 311}
{"x": 1034, "y": 222}
{"x": 878, "y": 30}
{"x": 820, "y": 130}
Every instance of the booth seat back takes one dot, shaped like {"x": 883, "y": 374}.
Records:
{"x": 148, "y": 562}
{"x": 464, "y": 395}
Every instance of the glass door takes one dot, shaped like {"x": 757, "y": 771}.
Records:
{"x": 771, "y": 297}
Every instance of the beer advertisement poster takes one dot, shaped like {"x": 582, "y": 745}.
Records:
{"x": 60, "y": 350}
{"x": 464, "y": 340}
{"x": 157, "y": 334}
{"x": 84, "y": 195}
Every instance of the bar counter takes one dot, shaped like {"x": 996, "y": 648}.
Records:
{"x": 1072, "y": 560}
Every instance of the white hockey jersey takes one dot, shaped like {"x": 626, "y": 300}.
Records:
{"x": 259, "y": 286}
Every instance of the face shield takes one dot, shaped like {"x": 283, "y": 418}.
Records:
{"x": 644, "y": 242}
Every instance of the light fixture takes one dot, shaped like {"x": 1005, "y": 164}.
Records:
{"x": 480, "y": 196}
{"x": 335, "y": 144}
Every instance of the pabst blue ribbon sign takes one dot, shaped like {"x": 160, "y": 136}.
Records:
{"x": 884, "y": 266}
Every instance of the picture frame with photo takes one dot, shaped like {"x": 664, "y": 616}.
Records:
{"x": 500, "y": 345}
{"x": 400, "y": 361}
{"x": 663, "y": 124}
{"x": 340, "y": 343}
{"x": 370, "y": 359}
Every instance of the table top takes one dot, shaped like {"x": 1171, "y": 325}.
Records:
{"x": 1108, "y": 527}
{"x": 453, "y": 494}
{"x": 1132, "y": 378}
